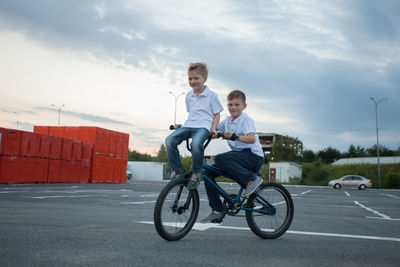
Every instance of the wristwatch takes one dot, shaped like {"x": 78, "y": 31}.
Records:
{"x": 234, "y": 137}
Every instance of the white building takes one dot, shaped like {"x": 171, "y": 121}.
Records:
{"x": 143, "y": 170}
{"x": 367, "y": 160}
{"x": 282, "y": 171}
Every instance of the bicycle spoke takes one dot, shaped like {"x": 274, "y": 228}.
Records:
{"x": 176, "y": 210}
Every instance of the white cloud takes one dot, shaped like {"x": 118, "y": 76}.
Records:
{"x": 303, "y": 64}
{"x": 99, "y": 10}
{"x": 40, "y": 76}
{"x": 129, "y": 35}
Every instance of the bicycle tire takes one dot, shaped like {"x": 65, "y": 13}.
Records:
{"x": 172, "y": 219}
{"x": 276, "y": 224}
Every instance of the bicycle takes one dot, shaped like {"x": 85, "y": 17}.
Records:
{"x": 269, "y": 210}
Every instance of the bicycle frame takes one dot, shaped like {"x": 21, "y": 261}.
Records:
{"x": 271, "y": 209}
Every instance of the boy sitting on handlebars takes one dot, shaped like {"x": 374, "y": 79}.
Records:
{"x": 245, "y": 159}
{"x": 204, "y": 109}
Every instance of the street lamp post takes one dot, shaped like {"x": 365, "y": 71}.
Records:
{"x": 59, "y": 111}
{"x": 17, "y": 119}
{"x": 377, "y": 137}
{"x": 176, "y": 100}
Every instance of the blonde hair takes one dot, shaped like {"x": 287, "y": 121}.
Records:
{"x": 237, "y": 94}
{"x": 200, "y": 67}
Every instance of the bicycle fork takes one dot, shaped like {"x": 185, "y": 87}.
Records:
{"x": 183, "y": 208}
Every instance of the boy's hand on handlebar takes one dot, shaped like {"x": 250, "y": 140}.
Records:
{"x": 214, "y": 133}
{"x": 228, "y": 136}
{"x": 174, "y": 127}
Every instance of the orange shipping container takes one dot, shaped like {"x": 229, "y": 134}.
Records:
{"x": 54, "y": 171}
{"x": 16, "y": 169}
{"x": 2, "y": 131}
{"x": 8, "y": 167}
{"x": 43, "y": 146}
{"x": 76, "y": 150}
{"x": 113, "y": 143}
{"x": 104, "y": 141}
{"x": 124, "y": 167}
{"x": 11, "y": 142}
{"x": 101, "y": 141}
{"x": 41, "y": 170}
{"x": 120, "y": 165}
{"x": 66, "y": 172}
{"x": 26, "y": 170}
{"x": 87, "y": 151}
{"x": 66, "y": 151}
{"x": 41, "y": 130}
{"x": 56, "y": 131}
{"x": 117, "y": 169}
{"x": 84, "y": 171}
{"x": 102, "y": 169}
{"x": 55, "y": 147}
{"x": 124, "y": 145}
{"x": 28, "y": 144}
{"x": 75, "y": 172}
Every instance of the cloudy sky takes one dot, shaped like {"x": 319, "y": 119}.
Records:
{"x": 309, "y": 68}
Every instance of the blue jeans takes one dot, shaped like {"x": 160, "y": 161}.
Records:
{"x": 198, "y": 135}
{"x": 242, "y": 166}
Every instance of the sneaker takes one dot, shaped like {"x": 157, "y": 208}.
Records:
{"x": 175, "y": 175}
{"x": 194, "y": 180}
{"x": 214, "y": 217}
{"x": 252, "y": 186}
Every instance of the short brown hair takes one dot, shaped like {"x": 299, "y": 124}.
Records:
{"x": 201, "y": 67}
{"x": 237, "y": 94}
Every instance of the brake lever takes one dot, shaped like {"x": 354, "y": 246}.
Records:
{"x": 172, "y": 127}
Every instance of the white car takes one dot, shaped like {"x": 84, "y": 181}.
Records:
{"x": 128, "y": 174}
{"x": 355, "y": 181}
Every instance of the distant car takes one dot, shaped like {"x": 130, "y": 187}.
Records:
{"x": 355, "y": 181}
{"x": 128, "y": 174}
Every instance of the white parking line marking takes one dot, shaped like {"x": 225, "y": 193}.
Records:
{"x": 374, "y": 211}
{"x": 139, "y": 202}
{"x": 67, "y": 196}
{"x": 347, "y": 193}
{"x": 205, "y": 226}
{"x": 391, "y": 219}
{"x": 390, "y": 195}
{"x": 83, "y": 191}
{"x": 151, "y": 195}
{"x": 305, "y": 192}
{"x": 7, "y": 192}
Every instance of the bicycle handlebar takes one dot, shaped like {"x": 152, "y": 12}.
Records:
{"x": 172, "y": 127}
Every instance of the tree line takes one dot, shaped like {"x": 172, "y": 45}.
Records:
{"x": 329, "y": 154}
{"x": 160, "y": 157}
{"x": 281, "y": 152}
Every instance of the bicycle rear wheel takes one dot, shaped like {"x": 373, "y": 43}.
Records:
{"x": 275, "y": 200}
{"x": 176, "y": 210}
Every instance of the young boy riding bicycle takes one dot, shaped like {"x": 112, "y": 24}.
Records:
{"x": 245, "y": 159}
{"x": 204, "y": 109}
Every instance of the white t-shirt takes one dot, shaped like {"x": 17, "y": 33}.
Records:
{"x": 241, "y": 126}
{"x": 202, "y": 109}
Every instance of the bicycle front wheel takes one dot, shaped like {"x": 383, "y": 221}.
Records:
{"x": 176, "y": 210}
{"x": 275, "y": 213}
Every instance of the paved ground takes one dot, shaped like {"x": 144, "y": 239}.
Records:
{"x": 111, "y": 225}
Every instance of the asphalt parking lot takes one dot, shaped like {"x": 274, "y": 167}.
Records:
{"x": 111, "y": 225}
